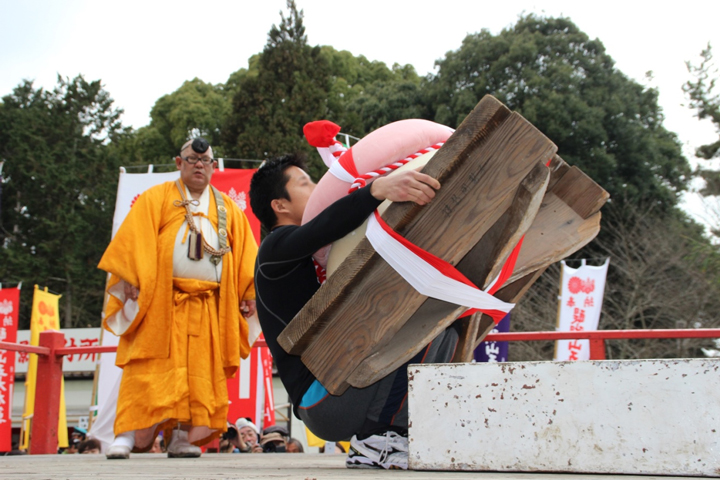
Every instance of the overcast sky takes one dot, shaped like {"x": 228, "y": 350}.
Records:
{"x": 142, "y": 50}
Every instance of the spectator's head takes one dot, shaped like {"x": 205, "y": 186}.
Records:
{"x": 248, "y": 432}
{"x": 79, "y": 433}
{"x": 294, "y": 446}
{"x": 158, "y": 445}
{"x": 91, "y": 445}
{"x": 279, "y": 191}
{"x": 273, "y": 443}
{"x": 277, "y": 428}
{"x": 229, "y": 439}
{"x": 196, "y": 164}
{"x": 74, "y": 443}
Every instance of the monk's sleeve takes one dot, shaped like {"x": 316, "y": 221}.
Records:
{"x": 246, "y": 252}
{"x": 132, "y": 257}
{"x": 236, "y": 341}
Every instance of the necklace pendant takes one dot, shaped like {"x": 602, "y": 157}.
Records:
{"x": 195, "y": 246}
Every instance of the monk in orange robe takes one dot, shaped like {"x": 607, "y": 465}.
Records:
{"x": 177, "y": 296}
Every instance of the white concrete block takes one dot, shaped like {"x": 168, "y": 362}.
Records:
{"x": 657, "y": 417}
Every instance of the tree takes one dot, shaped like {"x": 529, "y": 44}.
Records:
{"x": 706, "y": 102}
{"x": 566, "y": 85}
{"x": 385, "y": 102}
{"x": 270, "y": 108}
{"x": 60, "y": 192}
{"x": 365, "y": 95}
{"x": 195, "y": 109}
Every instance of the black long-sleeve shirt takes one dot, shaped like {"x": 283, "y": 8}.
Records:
{"x": 285, "y": 277}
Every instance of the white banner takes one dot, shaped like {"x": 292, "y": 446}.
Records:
{"x": 130, "y": 186}
{"x": 581, "y": 298}
{"x": 74, "y": 337}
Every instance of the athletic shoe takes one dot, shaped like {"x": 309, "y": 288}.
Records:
{"x": 388, "y": 451}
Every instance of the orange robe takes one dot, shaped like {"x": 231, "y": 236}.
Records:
{"x": 187, "y": 336}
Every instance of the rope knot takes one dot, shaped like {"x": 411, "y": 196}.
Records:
{"x": 184, "y": 203}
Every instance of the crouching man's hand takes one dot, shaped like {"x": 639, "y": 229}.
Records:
{"x": 406, "y": 186}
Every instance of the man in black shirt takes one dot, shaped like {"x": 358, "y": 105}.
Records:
{"x": 285, "y": 279}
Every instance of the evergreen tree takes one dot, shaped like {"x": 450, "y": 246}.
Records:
{"x": 365, "y": 95}
{"x": 705, "y": 100}
{"x": 566, "y": 85}
{"x": 59, "y": 197}
{"x": 195, "y": 109}
{"x": 270, "y": 108}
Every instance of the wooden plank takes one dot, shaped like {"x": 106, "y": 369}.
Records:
{"x": 509, "y": 293}
{"x": 469, "y": 327}
{"x": 485, "y": 118}
{"x": 580, "y": 192}
{"x": 558, "y": 168}
{"x": 431, "y": 318}
{"x": 558, "y": 231}
{"x": 468, "y": 204}
{"x": 488, "y": 256}
{"x": 434, "y": 316}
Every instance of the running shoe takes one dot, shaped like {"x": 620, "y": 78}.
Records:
{"x": 388, "y": 451}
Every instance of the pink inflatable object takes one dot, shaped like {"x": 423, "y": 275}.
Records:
{"x": 385, "y": 145}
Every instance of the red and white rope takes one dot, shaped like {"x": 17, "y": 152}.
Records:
{"x": 361, "y": 181}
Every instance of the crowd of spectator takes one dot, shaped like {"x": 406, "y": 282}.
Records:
{"x": 245, "y": 437}
{"x": 241, "y": 437}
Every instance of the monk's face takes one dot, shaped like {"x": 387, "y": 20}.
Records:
{"x": 195, "y": 175}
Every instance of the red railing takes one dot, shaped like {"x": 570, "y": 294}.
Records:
{"x": 597, "y": 338}
{"x": 44, "y": 430}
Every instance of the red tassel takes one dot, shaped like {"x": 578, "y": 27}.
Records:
{"x": 321, "y": 133}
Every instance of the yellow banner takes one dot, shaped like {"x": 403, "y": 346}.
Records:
{"x": 45, "y": 316}
{"x": 315, "y": 441}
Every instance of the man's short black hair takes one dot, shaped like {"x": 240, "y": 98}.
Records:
{"x": 270, "y": 183}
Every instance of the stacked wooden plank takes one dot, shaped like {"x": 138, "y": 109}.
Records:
{"x": 501, "y": 180}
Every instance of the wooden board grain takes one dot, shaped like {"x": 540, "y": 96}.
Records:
{"x": 558, "y": 231}
{"x": 469, "y": 331}
{"x": 580, "y": 192}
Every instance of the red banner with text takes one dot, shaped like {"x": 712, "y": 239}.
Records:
{"x": 9, "y": 306}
